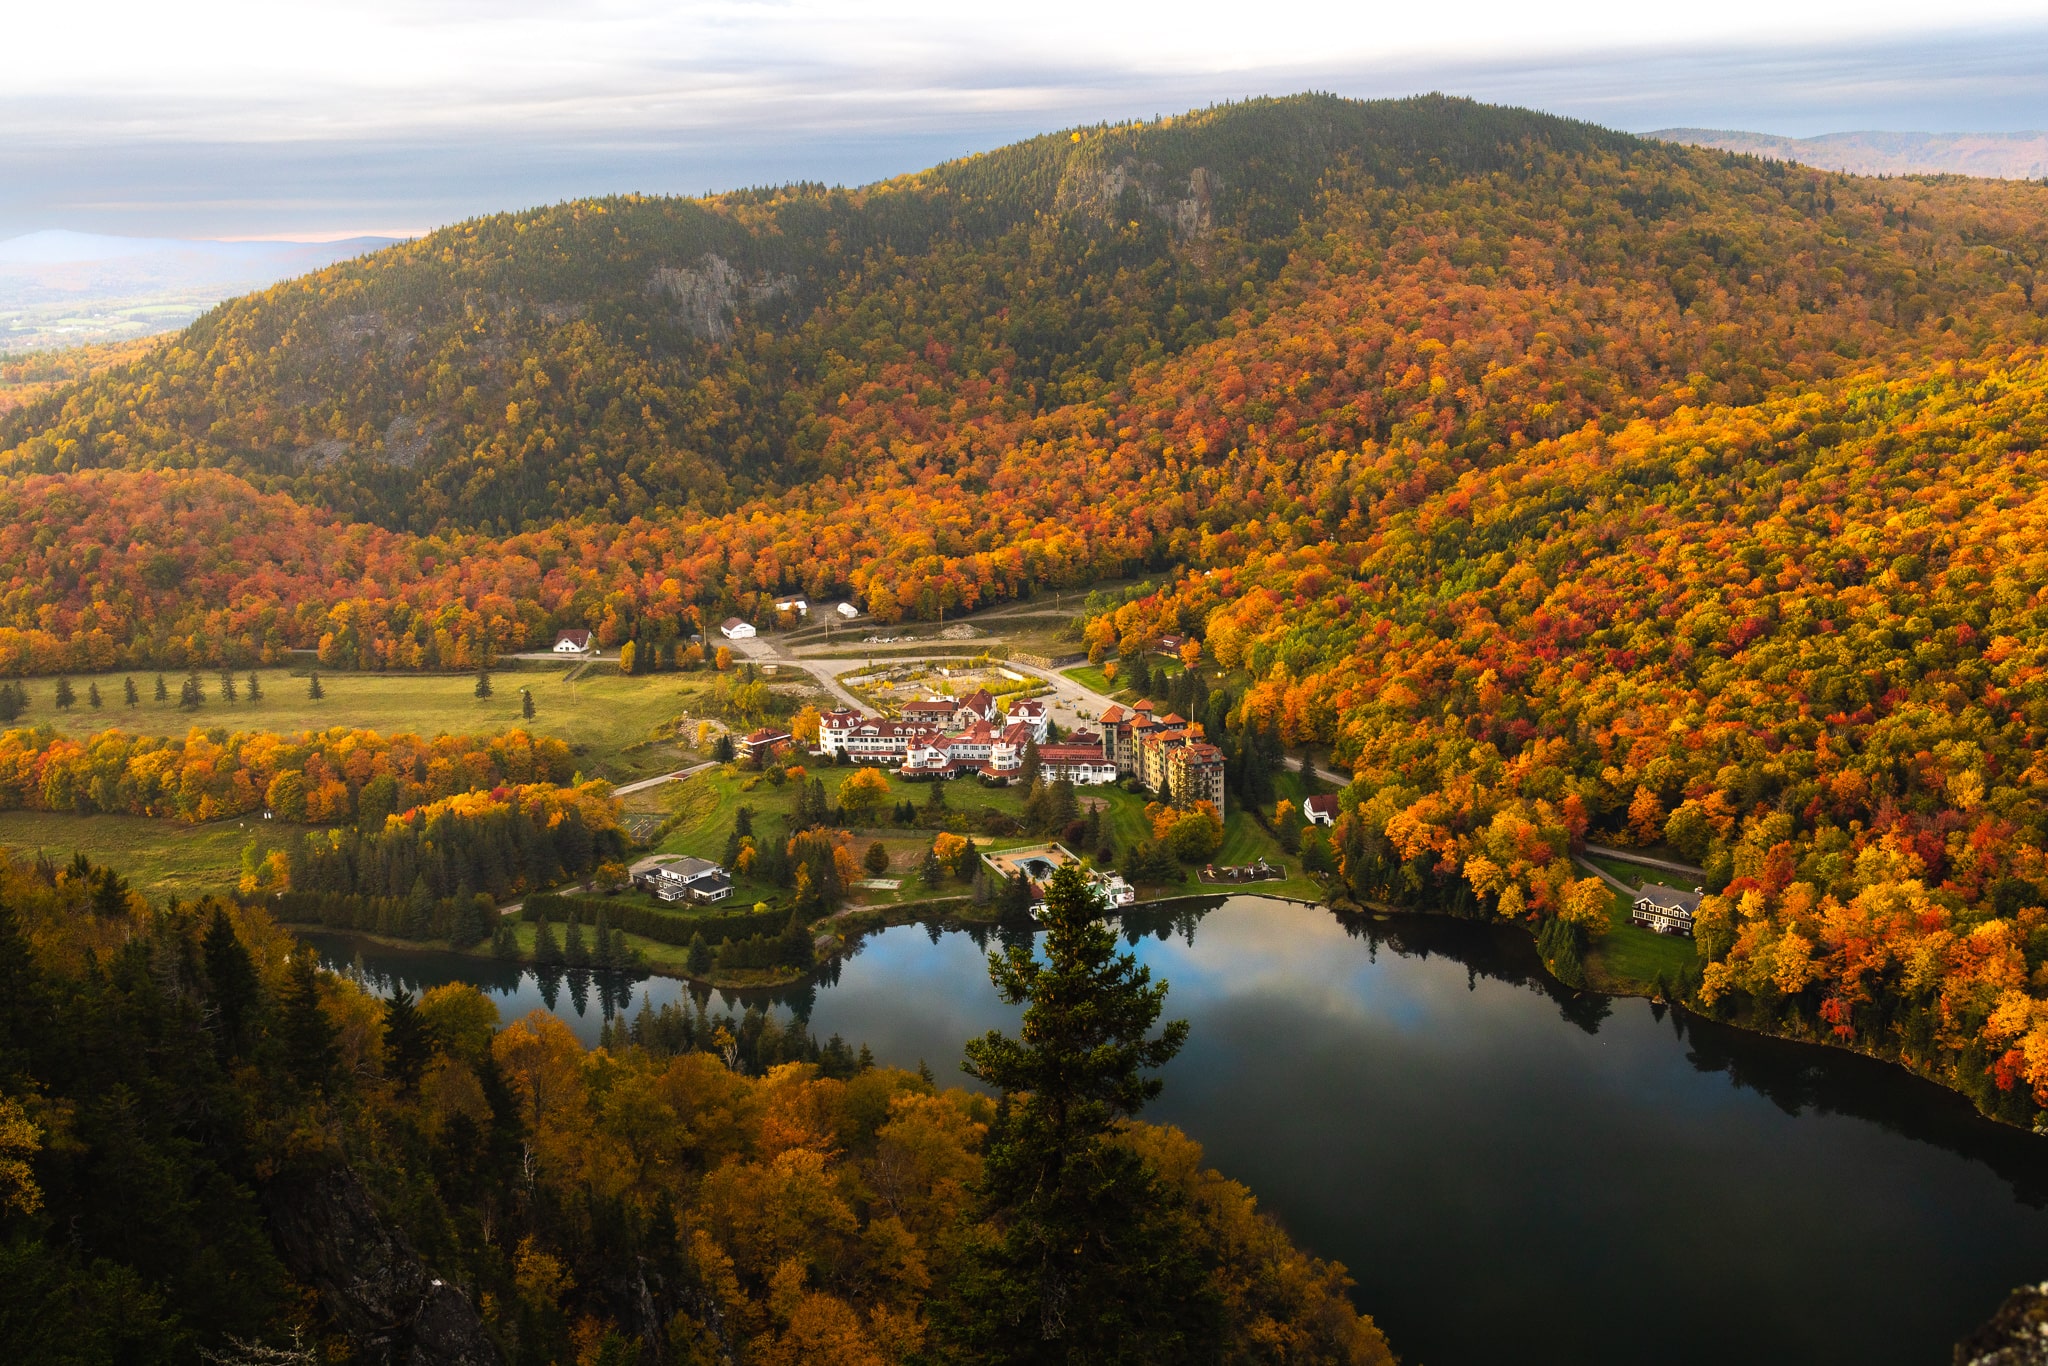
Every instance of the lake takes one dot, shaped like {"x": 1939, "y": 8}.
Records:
{"x": 1511, "y": 1171}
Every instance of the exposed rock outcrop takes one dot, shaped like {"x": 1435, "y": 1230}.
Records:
{"x": 708, "y": 295}
{"x": 2017, "y": 1334}
{"x": 369, "y": 1277}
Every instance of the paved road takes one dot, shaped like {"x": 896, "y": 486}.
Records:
{"x": 1328, "y": 775}
{"x": 676, "y": 776}
{"x": 1627, "y": 857}
{"x": 763, "y": 651}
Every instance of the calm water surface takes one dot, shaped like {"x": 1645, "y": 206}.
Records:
{"x": 1512, "y": 1172}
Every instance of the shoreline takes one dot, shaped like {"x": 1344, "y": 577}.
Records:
{"x": 862, "y": 920}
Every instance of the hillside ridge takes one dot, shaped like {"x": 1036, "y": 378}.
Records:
{"x": 2007, "y": 156}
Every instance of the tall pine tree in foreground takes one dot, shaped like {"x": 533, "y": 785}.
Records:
{"x": 1083, "y": 1256}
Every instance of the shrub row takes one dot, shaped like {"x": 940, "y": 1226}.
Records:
{"x": 664, "y": 927}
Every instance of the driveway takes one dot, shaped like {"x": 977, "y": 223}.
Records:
{"x": 676, "y": 776}
{"x": 762, "y": 650}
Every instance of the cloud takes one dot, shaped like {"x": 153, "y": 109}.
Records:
{"x": 251, "y": 118}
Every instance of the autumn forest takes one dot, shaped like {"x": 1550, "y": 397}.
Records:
{"x": 1553, "y": 484}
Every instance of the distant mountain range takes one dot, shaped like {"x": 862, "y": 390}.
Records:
{"x": 2003, "y": 156}
{"x": 62, "y": 288}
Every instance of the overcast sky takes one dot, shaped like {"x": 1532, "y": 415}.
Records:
{"x": 256, "y": 117}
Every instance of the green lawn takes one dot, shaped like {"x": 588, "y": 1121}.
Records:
{"x": 706, "y": 807}
{"x": 1090, "y": 676}
{"x": 159, "y": 858}
{"x": 611, "y": 720}
{"x": 1635, "y": 875}
{"x": 1627, "y": 958}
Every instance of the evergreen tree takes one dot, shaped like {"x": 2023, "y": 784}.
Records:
{"x": 407, "y": 1046}
{"x": 794, "y": 946}
{"x": 483, "y": 683}
{"x": 1036, "y": 811}
{"x": 574, "y": 951}
{"x": 191, "y": 693}
{"x": 10, "y": 703}
{"x": 935, "y": 799}
{"x": 1085, "y": 1257}
{"x": 504, "y": 940}
{"x": 419, "y": 909}
{"x": 1028, "y": 775}
{"x": 109, "y": 894}
{"x": 129, "y": 694}
{"x": 546, "y": 951}
{"x": 303, "y": 1027}
{"x": 1063, "y": 807}
{"x": 313, "y": 689}
{"x": 931, "y": 872}
{"x": 601, "y": 942}
{"x": 1139, "y": 673}
{"x": 92, "y": 695}
{"x": 163, "y": 689}
{"x": 65, "y": 696}
{"x": 474, "y": 917}
{"x": 1016, "y": 899}
{"x": 255, "y": 688}
{"x": 526, "y": 703}
{"x": 967, "y": 861}
{"x": 231, "y": 982}
{"x": 697, "y": 961}
{"x": 877, "y": 859}
{"x": 723, "y": 750}
{"x": 229, "y": 693}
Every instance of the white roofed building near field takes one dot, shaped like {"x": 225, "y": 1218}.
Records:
{"x": 847, "y": 610}
{"x": 798, "y": 604}
{"x": 687, "y": 879}
{"x": 732, "y": 628}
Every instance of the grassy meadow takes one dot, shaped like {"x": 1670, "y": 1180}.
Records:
{"x": 159, "y": 858}
{"x": 619, "y": 726}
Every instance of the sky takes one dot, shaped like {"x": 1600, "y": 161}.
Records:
{"x": 251, "y": 118}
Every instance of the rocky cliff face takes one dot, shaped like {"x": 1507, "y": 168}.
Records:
{"x": 371, "y": 1280}
{"x": 2017, "y": 1334}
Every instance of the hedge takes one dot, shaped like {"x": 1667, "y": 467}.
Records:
{"x": 663, "y": 927}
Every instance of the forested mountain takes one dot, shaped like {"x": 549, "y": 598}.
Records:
{"x": 648, "y": 356}
{"x": 1561, "y": 483}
